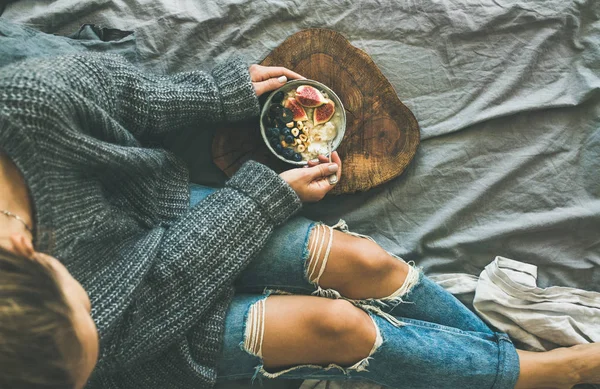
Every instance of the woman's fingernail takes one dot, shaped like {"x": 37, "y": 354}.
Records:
{"x": 333, "y": 168}
{"x": 282, "y": 79}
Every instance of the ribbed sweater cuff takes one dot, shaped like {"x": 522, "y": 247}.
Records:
{"x": 275, "y": 197}
{"x": 237, "y": 93}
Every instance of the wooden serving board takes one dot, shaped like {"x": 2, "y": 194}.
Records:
{"x": 382, "y": 134}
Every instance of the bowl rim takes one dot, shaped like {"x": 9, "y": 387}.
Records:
{"x": 332, "y": 96}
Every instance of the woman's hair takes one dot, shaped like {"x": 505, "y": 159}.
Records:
{"x": 38, "y": 345}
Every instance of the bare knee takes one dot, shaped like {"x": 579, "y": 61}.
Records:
{"x": 353, "y": 267}
{"x": 332, "y": 252}
{"x": 341, "y": 322}
{"x": 343, "y": 331}
{"x": 371, "y": 260}
{"x": 290, "y": 330}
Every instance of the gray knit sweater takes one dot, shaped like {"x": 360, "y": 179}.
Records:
{"x": 115, "y": 212}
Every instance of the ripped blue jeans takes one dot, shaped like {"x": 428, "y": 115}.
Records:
{"x": 426, "y": 338}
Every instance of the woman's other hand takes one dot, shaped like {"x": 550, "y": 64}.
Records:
{"x": 313, "y": 182}
{"x": 268, "y": 78}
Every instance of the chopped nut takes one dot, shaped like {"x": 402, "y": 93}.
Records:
{"x": 290, "y": 125}
{"x": 283, "y": 143}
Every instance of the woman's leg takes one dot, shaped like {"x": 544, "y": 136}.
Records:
{"x": 358, "y": 268}
{"x": 311, "y": 337}
{"x": 307, "y": 257}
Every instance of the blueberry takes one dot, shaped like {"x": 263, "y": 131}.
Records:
{"x": 297, "y": 157}
{"x": 278, "y": 148}
{"x": 286, "y": 131}
{"x": 286, "y": 115}
{"x": 289, "y": 139}
{"x": 274, "y": 141}
{"x": 275, "y": 111}
{"x": 277, "y": 97}
{"x": 272, "y": 132}
{"x": 276, "y": 107}
{"x": 287, "y": 153}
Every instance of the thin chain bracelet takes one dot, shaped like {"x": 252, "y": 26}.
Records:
{"x": 17, "y": 217}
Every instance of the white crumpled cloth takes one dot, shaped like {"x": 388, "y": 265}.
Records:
{"x": 508, "y": 298}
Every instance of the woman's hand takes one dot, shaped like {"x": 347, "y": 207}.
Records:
{"x": 313, "y": 182}
{"x": 268, "y": 78}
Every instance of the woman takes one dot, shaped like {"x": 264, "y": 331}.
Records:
{"x": 159, "y": 258}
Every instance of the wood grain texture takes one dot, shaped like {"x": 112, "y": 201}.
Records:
{"x": 382, "y": 134}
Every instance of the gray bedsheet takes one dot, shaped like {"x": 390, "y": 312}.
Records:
{"x": 506, "y": 94}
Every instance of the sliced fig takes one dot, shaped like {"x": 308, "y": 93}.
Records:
{"x": 309, "y": 96}
{"x": 323, "y": 113}
{"x": 296, "y": 108}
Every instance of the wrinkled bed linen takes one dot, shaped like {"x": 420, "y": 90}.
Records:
{"x": 19, "y": 42}
{"x": 506, "y": 94}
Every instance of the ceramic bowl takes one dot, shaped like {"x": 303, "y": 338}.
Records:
{"x": 290, "y": 85}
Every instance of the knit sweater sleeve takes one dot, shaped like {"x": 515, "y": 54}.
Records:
{"x": 199, "y": 257}
{"x": 151, "y": 105}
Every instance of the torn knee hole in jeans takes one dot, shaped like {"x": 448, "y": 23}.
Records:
{"x": 254, "y": 335}
{"x": 319, "y": 248}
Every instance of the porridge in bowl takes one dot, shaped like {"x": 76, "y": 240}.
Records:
{"x": 302, "y": 122}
